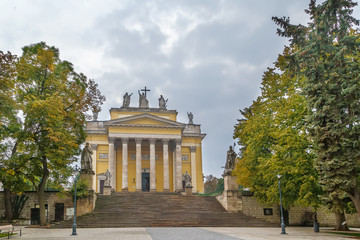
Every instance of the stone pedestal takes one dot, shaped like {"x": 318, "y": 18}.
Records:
{"x": 231, "y": 199}
{"x": 188, "y": 191}
{"x": 107, "y": 190}
{"x": 88, "y": 177}
{"x": 230, "y": 183}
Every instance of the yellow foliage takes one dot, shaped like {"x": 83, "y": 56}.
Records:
{"x": 10, "y": 172}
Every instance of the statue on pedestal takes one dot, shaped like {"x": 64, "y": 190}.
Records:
{"x": 107, "y": 178}
{"x": 187, "y": 179}
{"x": 86, "y": 159}
{"x": 191, "y": 117}
{"x": 126, "y": 101}
{"x": 162, "y": 102}
{"x": 230, "y": 161}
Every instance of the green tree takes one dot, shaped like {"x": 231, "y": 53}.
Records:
{"x": 10, "y": 128}
{"x": 219, "y": 186}
{"x": 54, "y": 102}
{"x": 210, "y": 184}
{"x": 327, "y": 56}
{"x": 273, "y": 141}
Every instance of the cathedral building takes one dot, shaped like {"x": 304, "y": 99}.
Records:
{"x": 146, "y": 149}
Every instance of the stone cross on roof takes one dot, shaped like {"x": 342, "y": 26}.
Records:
{"x": 145, "y": 90}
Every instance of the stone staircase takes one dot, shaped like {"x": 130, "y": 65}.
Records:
{"x": 145, "y": 209}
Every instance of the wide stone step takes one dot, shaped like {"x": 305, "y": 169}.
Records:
{"x": 161, "y": 210}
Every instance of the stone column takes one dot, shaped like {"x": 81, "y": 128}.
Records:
{"x": 94, "y": 148}
{"x": 152, "y": 165}
{"x": 125, "y": 163}
{"x": 112, "y": 162}
{"x": 173, "y": 152}
{"x": 193, "y": 168}
{"x": 138, "y": 163}
{"x": 178, "y": 170}
{"x": 166, "y": 165}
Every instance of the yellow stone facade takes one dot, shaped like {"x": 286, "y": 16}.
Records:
{"x": 146, "y": 149}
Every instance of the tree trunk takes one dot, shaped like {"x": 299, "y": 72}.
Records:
{"x": 41, "y": 192}
{"x": 41, "y": 199}
{"x": 7, "y": 203}
{"x": 340, "y": 224}
{"x": 7, "y": 193}
{"x": 340, "y": 220}
{"x": 355, "y": 198}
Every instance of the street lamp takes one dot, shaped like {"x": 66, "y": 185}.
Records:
{"x": 281, "y": 208}
{"x": 74, "y": 224}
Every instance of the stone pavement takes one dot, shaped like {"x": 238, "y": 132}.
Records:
{"x": 191, "y": 233}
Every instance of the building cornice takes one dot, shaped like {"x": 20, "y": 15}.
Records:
{"x": 190, "y": 135}
{"x": 145, "y": 126}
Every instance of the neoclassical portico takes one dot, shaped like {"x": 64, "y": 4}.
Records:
{"x": 146, "y": 149}
{"x": 149, "y": 143}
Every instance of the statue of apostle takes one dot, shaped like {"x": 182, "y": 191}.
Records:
{"x": 143, "y": 102}
{"x": 191, "y": 117}
{"x": 187, "y": 179}
{"x": 126, "y": 101}
{"x": 162, "y": 102}
{"x": 86, "y": 158}
{"x": 230, "y": 161}
{"x": 107, "y": 178}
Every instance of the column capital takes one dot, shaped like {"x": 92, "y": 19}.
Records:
{"x": 178, "y": 141}
{"x": 94, "y": 146}
{"x": 124, "y": 140}
{"x": 165, "y": 140}
{"x": 111, "y": 140}
{"x": 192, "y": 148}
{"x": 152, "y": 140}
{"x": 138, "y": 140}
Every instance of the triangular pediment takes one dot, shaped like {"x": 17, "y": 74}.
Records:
{"x": 144, "y": 119}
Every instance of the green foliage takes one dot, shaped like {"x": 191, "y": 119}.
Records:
{"x": 54, "y": 101}
{"x": 327, "y": 56}
{"x": 210, "y": 184}
{"x": 219, "y": 186}
{"x": 82, "y": 190}
{"x": 274, "y": 141}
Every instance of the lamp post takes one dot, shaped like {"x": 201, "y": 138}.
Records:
{"x": 281, "y": 208}
{"x": 74, "y": 223}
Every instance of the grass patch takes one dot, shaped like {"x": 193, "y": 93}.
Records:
{"x": 352, "y": 234}
{"x": 208, "y": 194}
{"x": 6, "y": 234}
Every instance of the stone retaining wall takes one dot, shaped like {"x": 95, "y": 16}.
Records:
{"x": 84, "y": 205}
{"x": 298, "y": 216}
{"x": 252, "y": 208}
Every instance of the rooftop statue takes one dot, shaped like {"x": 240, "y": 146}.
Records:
{"x": 126, "y": 101}
{"x": 143, "y": 102}
{"x": 191, "y": 117}
{"x": 162, "y": 102}
{"x": 95, "y": 115}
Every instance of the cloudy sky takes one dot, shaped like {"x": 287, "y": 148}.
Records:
{"x": 206, "y": 57}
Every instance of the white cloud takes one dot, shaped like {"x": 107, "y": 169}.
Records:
{"x": 204, "y": 56}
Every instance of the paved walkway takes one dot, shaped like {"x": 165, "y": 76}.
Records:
{"x": 191, "y": 233}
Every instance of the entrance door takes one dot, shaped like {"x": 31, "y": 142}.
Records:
{"x": 35, "y": 216}
{"x": 59, "y": 212}
{"x": 145, "y": 180}
{"x": 102, "y": 186}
